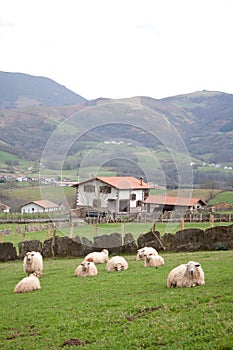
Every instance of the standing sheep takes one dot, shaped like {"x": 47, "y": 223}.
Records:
{"x": 33, "y": 262}
{"x": 28, "y": 284}
{"x": 151, "y": 260}
{"x": 86, "y": 268}
{"x": 145, "y": 250}
{"x": 117, "y": 263}
{"x": 186, "y": 275}
{"x": 97, "y": 257}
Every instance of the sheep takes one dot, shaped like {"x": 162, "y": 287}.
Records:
{"x": 117, "y": 263}
{"x": 97, "y": 257}
{"x": 145, "y": 250}
{"x": 28, "y": 284}
{"x": 151, "y": 260}
{"x": 33, "y": 262}
{"x": 186, "y": 275}
{"x": 86, "y": 268}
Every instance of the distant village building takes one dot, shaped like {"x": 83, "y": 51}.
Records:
{"x": 169, "y": 203}
{"x": 4, "y": 208}
{"x": 116, "y": 194}
{"x": 40, "y": 206}
{"x": 222, "y": 206}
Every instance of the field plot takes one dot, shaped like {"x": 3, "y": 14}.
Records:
{"x": 132, "y": 309}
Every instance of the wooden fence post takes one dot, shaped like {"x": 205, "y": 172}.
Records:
{"x": 71, "y": 230}
{"x": 211, "y": 220}
{"x": 154, "y": 227}
{"x": 182, "y": 223}
{"x": 122, "y": 233}
{"x": 95, "y": 230}
{"x": 48, "y": 231}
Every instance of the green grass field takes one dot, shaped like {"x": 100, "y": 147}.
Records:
{"x": 131, "y": 310}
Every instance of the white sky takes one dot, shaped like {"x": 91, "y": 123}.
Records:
{"x": 121, "y": 48}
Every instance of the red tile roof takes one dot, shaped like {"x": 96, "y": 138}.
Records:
{"x": 124, "y": 182}
{"x": 172, "y": 200}
{"x": 4, "y": 206}
{"x": 45, "y": 204}
{"x": 120, "y": 182}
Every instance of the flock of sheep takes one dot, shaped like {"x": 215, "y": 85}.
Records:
{"x": 184, "y": 275}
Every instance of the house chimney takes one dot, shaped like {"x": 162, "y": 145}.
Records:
{"x": 141, "y": 179}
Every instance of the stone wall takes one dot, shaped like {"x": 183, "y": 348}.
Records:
{"x": 217, "y": 238}
{"x": 7, "y": 252}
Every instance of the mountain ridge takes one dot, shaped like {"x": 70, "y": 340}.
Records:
{"x": 20, "y": 90}
{"x": 204, "y": 119}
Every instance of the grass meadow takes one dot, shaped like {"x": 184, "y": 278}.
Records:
{"x": 131, "y": 309}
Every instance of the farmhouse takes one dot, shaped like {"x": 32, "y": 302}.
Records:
{"x": 115, "y": 194}
{"x": 40, "y": 206}
{"x": 169, "y": 203}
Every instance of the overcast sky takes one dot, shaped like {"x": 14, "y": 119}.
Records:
{"x": 121, "y": 48}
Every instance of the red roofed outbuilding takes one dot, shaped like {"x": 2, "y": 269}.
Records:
{"x": 40, "y": 206}
{"x": 170, "y": 203}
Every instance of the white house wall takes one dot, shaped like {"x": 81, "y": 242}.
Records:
{"x": 29, "y": 208}
{"x": 37, "y": 209}
{"x": 87, "y": 198}
{"x": 106, "y": 200}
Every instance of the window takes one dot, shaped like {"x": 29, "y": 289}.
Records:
{"x": 133, "y": 197}
{"x": 146, "y": 194}
{"x": 89, "y": 188}
{"x": 139, "y": 203}
{"x": 105, "y": 189}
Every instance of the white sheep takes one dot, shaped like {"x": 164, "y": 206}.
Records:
{"x": 151, "y": 260}
{"x": 28, "y": 284}
{"x": 186, "y": 275}
{"x": 86, "y": 268}
{"x": 33, "y": 262}
{"x": 97, "y": 257}
{"x": 117, "y": 263}
{"x": 145, "y": 250}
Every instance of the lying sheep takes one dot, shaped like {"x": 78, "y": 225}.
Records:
{"x": 28, "y": 284}
{"x": 97, "y": 257}
{"x": 186, "y": 275}
{"x": 33, "y": 262}
{"x": 86, "y": 268}
{"x": 151, "y": 260}
{"x": 145, "y": 250}
{"x": 117, "y": 263}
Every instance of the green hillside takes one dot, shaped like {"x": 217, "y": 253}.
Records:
{"x": 222, "y": 197}
{"x": 44, "y": 125}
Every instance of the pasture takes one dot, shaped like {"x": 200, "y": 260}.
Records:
{"x": 132, "y": 309}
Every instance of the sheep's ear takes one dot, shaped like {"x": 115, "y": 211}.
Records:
{"x": 197, "y": 265}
